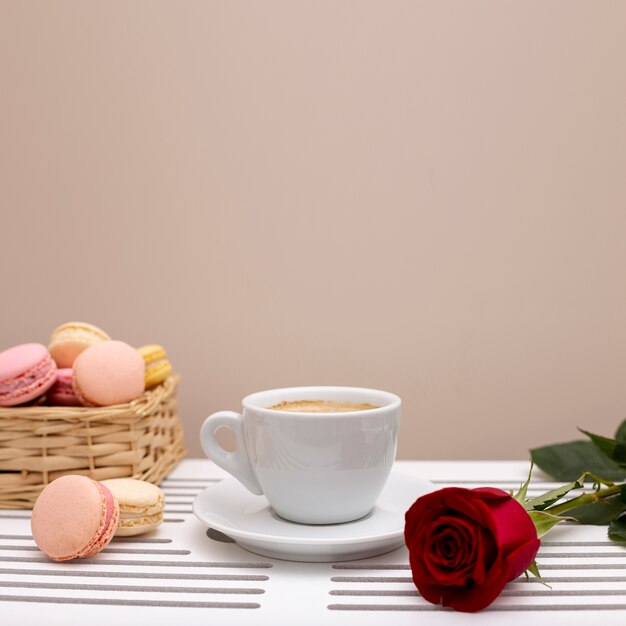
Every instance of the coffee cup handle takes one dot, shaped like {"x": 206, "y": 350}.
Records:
{"x": 236, "y": 463}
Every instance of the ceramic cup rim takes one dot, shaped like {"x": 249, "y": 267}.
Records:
{"x": 392, "y": 401}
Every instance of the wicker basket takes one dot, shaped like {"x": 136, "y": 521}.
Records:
{"x": 143, "y": 439}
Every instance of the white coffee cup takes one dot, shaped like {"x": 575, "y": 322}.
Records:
{"x": 313, "y": 468}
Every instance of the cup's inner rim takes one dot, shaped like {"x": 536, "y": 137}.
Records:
{"x": 263, "y": 400}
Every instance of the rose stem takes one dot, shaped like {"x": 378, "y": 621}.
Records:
{"x": 585, "y": 498}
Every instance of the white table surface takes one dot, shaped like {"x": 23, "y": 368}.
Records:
{"x": 179, "y": 575}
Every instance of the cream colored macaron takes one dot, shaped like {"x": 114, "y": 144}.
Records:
{"x": 141, "y": 505}
{"x": 69, "y": 340}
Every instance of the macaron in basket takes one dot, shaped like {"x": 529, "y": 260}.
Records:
{"x": 82, "y": 366}
{"x": 86, "y": 404}
{"x": 26, "y": 372}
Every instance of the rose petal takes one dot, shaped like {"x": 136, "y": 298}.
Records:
{"x": 489, "y": 494}
{"x": 466, "y": 563}
{"x": 469, "y": 506}
{"x": 522, "y": 558}
{"x": 486, "y": 555}
{"x": 513, "y": 523}
{"x": 451, "y": 548}
{"x": 424, "y": 510}
{"x": 438, "y": 571}
{"x": 463, "y": 532}
{"x": 474, "y": 598}
{"x": 431, "y": 593}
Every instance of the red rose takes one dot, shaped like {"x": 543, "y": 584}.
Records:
{"x": 466, "y": 544}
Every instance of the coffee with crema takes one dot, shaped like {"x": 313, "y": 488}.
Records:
{"x": 321, "y": 406}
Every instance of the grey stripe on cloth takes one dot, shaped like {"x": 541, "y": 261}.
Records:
{"x": 149, "y": 575}
{"x": 178, "y": 604}
{"x": 24, "y": 559}
{"x": 510, "y": 607}
{"x": 136, "y": 588}
{"x": 111, "y": 550}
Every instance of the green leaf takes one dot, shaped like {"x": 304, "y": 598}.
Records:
{"x": 544, "y": 521}
{"x": 567, "y": 461}
{"x": 620, "y": 434}
{"x": 614, "y": 449}
{"x": 617, "y": 530}
{"x": 520, "y": 496}
{"x": 599, "y": 512}
{"x": 534, "y": 570}
{"x": 550, "y": 497}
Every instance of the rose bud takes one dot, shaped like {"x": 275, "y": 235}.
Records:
{"x": 466, "y": 544}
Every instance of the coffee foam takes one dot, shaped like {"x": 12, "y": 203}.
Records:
{"x": 321, "y": 406}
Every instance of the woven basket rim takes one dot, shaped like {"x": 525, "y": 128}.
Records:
{"x": 143, "y": 404}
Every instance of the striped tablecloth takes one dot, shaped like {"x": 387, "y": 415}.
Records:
{"x": 184, "y": 573}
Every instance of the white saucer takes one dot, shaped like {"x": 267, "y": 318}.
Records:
{"x": 230, "y": 508}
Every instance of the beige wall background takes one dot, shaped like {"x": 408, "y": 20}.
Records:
{"x": 425, "y": 197}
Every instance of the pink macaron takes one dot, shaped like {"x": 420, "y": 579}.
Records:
{"x": 62, "y": 391}
{"x": 108, "y": 372}
{"x": 26, "y": 372}
{"x": 74, "y": 517}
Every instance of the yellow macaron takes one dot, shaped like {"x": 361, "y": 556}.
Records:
{"x": 158, "y": 368}
{"x": 69, "y": 340}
